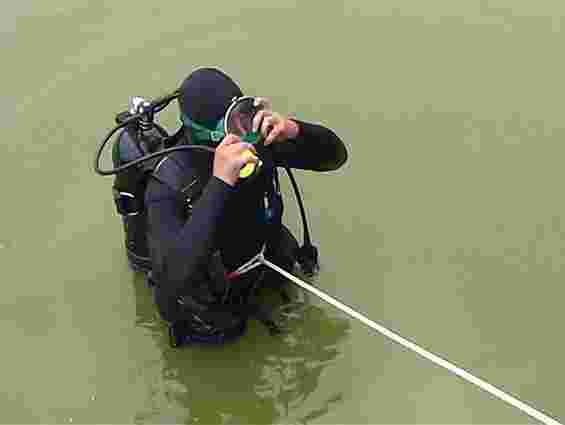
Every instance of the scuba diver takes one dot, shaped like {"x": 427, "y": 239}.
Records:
{"x": 195, "y": 219}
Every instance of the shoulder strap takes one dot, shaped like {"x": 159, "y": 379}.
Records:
{"x": 171, "y": 170}
{"x": 186, "y": 175}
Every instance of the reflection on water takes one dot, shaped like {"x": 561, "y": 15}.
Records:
{"x": 258, "y": 379}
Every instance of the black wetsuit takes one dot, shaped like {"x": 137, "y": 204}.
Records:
{"x": 224, "y": 218}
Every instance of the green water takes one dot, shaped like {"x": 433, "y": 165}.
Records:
{"x": 445, "y": 225}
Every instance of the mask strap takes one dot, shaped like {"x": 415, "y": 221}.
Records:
{"x": 203, "y": 135}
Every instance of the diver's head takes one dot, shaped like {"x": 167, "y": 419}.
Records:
{"x": 205, "y": 96}
{"x": 212, "y": 105}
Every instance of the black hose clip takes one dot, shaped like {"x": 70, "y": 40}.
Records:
{"x": 307, "y": 257}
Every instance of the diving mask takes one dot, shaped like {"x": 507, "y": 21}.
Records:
{"x": 238, "y": 120}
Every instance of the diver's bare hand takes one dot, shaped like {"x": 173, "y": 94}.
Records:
{"x": 230, "y": 157}
{"x": 274, "y": 126}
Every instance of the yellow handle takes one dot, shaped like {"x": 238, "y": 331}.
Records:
{"x": 249, "y": 168}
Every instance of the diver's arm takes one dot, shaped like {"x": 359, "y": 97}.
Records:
{"x": 316, "y": 148}
{"x": 180, "y": 247}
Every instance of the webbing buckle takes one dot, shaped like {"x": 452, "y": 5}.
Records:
{"x": 126, "y": 203}
{"x": 255, "y": 262}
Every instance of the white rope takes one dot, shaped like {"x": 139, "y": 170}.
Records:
{"x": 417, "y": 349}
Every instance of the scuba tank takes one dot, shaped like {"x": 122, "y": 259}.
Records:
{"x": 138, "y": 139}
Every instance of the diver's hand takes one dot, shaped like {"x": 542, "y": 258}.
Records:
{"x": 230, "y": 156}
{"x": 274, "y": 126}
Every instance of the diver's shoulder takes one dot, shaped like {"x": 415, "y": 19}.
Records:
{"x": 173, "y": 160}
{"x": 179, "y": 167}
